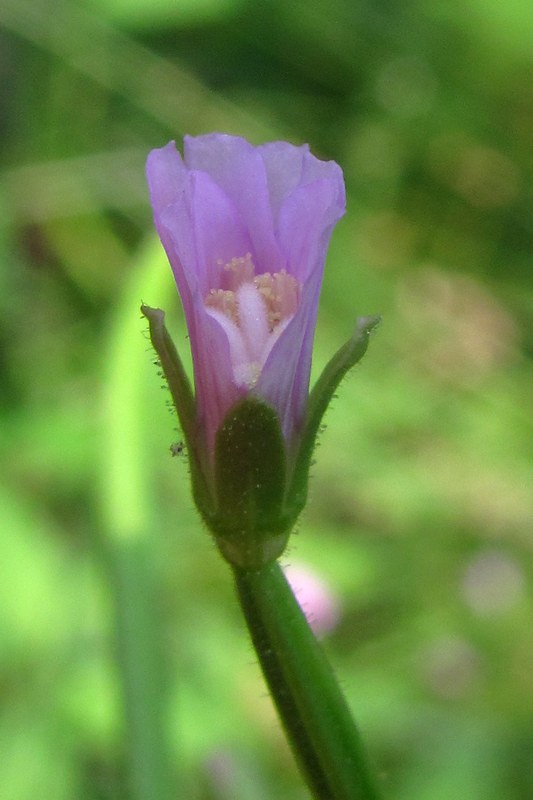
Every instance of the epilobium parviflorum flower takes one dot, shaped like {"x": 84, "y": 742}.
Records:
{"x": 246, "y": 231}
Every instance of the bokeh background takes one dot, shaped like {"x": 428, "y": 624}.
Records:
{"x": 125, "y": 671}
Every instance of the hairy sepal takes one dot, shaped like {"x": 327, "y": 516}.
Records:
{"x": 250, "y": 526}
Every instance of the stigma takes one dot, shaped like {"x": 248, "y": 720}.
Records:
{"x": 254, "y": 310}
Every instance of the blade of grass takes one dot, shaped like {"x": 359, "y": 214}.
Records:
{"x": 127, "y": 505}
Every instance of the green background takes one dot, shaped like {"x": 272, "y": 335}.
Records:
{"x": 420, "y": 514}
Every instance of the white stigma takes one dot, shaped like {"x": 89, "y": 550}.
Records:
{"x": 253, "y": 313}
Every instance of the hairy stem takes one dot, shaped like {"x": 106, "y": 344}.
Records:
{"x": 313, "y": 711}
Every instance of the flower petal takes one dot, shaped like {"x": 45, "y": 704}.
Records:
{"x": 284, "y": 165}
{"x": 167, "y": 176}
{"x": 197, "y": 222}
{"x": 288, "y": 167}
{"x": 216, "y": 390}
{"x": 305, "y": 223}
{"x": 198, "y": 225}
{"x": 315, "y": 169}
{"x": 169, "y": 185}
{"x": 284, "y": 380}
{"x": 238, "y": 169}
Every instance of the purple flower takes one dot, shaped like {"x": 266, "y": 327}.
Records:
{"x": 246, "y": 231}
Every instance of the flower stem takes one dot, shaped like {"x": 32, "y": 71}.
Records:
{"x": 313, "y": 711}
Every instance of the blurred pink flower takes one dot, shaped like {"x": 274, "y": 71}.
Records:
{"x": 317, "y": 601}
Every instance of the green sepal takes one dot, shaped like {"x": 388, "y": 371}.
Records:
{"x": 319, "y": 399}
{"x": 185, "y": 405}
{"x": 250, "y": 525}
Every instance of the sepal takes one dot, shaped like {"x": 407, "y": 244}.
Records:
{"x": 250, "y": 525}
{"x": 319, "y": 399}
{"x": 185, "y": 405}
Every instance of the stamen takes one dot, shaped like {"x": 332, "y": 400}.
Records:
{"x": 280, "y": 292}
{"x": 253, "y": 310}
{"x": 224, "y": 301}
{"x": 237, "y": 271}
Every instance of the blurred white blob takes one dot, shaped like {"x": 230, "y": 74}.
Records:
{"x": 493, "y": 583}
{"x": 317, "y": 601}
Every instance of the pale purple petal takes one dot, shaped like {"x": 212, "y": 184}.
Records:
{"x": 305, "y": 225}
{"x": 284, "y": 380}
{"x": 197, "y": 225}
{"x": 288, "y": 167}
{"x": 169, "y": 185}
{"x": 236, "y": 342}
{"x": 216, "y": 390}
{"x": 238, "y": 169}
{"x": 284, "y": 165}
{"x": 167, "y": 176}
{"x": 219, "y": 232}
{"x": 305, "y": 222}
{"x": 314, "y": 169}
{"x": 196, "y": 220}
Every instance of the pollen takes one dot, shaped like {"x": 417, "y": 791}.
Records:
{"x": 279, "y": 291}
{"x": 253, "y": 310}
{"x": 237, "y": 271}
{"x": 223, "y": 300}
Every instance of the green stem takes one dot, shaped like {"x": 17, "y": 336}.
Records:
{"x": 314, "y": 713}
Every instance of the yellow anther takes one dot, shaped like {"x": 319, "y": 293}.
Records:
{"x": 279, "y": 290}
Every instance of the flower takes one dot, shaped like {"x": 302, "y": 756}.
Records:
{"x": 246, "y": 230}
